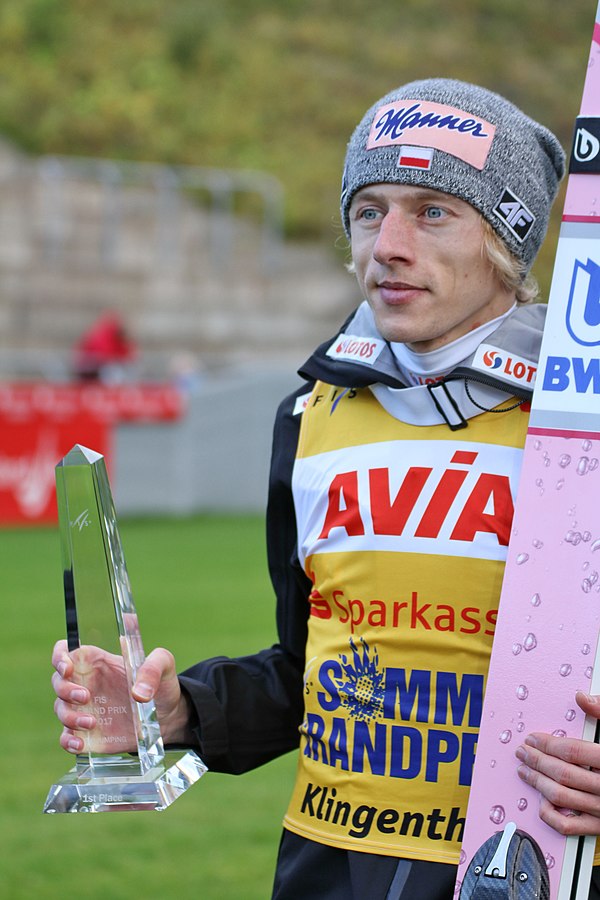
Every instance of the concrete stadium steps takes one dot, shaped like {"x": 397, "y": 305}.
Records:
{"x": 185, "y": 278}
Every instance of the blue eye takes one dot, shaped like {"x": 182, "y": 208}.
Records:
{"x": 369, "y": 214}
{"x": 434, "y": 212}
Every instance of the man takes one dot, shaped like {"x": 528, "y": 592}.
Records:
{"x": 391, "y": 496}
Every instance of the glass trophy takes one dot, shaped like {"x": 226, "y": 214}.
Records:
{"x": 124, "y": 765}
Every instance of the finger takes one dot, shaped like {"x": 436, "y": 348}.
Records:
{"x": 70, "y": 742}
{"x": 158, "y": 666}
{"x": 61, "y": 660}
{"x": 565, "y": 770}
{"x": 564, "y": 798}
{"x": 570, "y": 750}
{"x": 589, "y": 703}
{"x": 74, "y": 718}
{"x": 568, "y": 823}
{"x": 69, "y": 691}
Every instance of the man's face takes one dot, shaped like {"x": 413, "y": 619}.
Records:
{"x": 418, "y": 258}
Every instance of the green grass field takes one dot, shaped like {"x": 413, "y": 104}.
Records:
{"x": 202, "y": 589}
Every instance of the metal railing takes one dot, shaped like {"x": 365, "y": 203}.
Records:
{"x": 169, "y": 185}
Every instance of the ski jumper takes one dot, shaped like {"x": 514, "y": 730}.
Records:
{"x": 388, "y": 520}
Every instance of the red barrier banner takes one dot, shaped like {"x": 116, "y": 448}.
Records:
{"x": 40, "y": 423}
{"x": 109, "y": 403}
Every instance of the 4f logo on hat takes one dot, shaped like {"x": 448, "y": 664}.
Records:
{"x": 585, "y": 155}
{"x": 514, "y": 214}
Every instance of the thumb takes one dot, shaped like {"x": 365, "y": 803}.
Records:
{"x": 158, "y": 666}
{"x": 589, "y": 703}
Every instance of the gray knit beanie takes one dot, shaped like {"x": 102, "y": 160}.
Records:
{"x": 463, "y": 140}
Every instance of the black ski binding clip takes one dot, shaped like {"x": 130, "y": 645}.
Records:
{"x": 508, "y": 866}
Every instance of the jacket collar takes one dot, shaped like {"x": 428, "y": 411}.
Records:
{"x": 502, "y": 367}
{"x": 358, "y": 356}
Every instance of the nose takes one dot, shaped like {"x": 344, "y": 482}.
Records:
{"x": 395, "y": 239}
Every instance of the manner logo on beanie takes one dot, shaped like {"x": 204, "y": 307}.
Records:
{"x": 466, "y": 141}
{"x": 432, "y": 125}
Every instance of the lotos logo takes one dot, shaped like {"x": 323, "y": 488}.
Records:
{"x": 492, "y": 359}
{"x": 301, "y": 403}
{"x": 434, "y": 125}
{"x": 508, "y": 367}
{"x": 356, "y": 349}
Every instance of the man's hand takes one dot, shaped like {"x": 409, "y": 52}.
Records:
{"x": 103, "y": 675}
{"x": 566, "y": 772}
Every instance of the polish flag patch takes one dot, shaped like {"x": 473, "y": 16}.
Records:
{"x": 415, "y": 157}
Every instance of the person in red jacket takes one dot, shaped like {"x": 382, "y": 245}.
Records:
{"x": 103, "y": 350}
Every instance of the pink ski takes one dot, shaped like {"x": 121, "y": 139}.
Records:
{"x": 546, "y": 642}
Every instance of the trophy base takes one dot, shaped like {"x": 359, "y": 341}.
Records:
{"x": 154, "y": 791}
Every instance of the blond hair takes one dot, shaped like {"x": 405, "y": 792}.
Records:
{"x": 510, "y": 271}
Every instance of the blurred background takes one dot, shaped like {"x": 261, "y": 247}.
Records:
{"x": 169, "y": 228}
{"x": 170, "y": 253}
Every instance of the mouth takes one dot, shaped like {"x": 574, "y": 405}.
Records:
{"x": 396, "y": 293}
